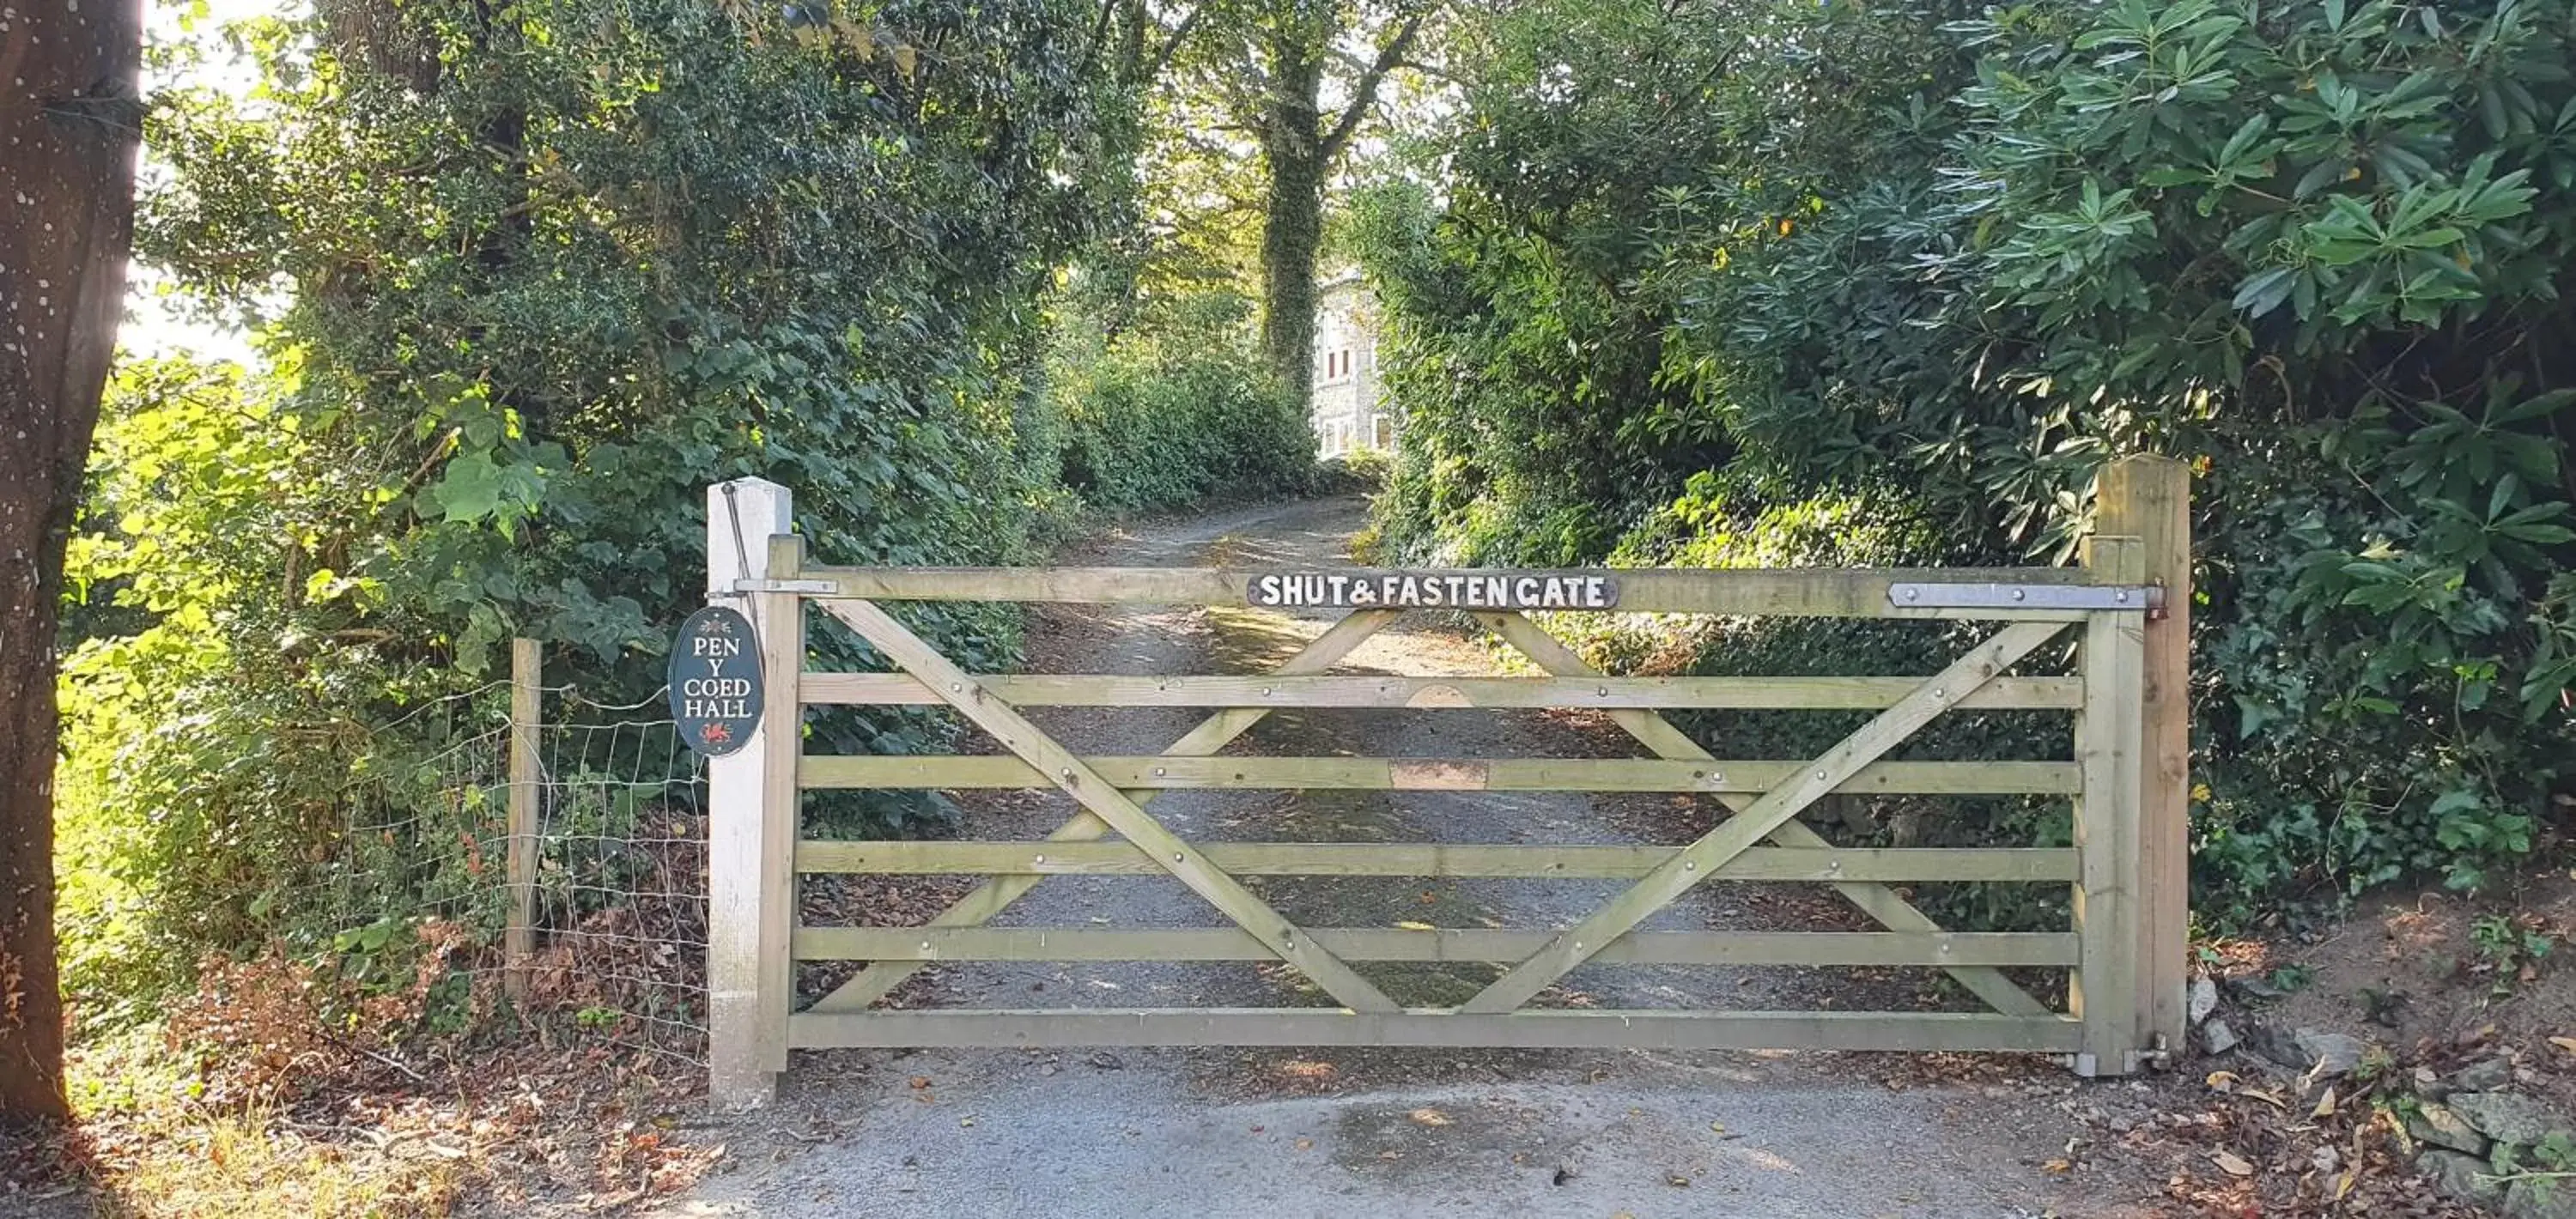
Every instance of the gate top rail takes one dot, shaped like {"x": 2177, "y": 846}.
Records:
{"x": 2058, "y": 594}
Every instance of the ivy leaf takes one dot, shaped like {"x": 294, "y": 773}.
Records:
{"x": 469, "y": 490}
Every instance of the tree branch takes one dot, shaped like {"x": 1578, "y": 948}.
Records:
{"x": 1172, "y": 45}
{"x": 1364, "y": 91}
{"x": 1099, "y": 37}
{"x": 1241, "y": 87}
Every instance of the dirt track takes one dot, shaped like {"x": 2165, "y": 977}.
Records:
{"x": 1277, "y": 1133}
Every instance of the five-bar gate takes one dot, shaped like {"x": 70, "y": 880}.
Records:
{"x": 2125, "y": 611}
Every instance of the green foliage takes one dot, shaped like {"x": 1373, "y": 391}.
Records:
{"x": 528, "y": 279}
{"x": 2506, "y": 946}
{"x": 1975, "y": 253}
{"x": 1177, "y": 410}
{"x": 1357, "y": 472}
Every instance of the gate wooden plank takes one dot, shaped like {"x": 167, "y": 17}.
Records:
{"x": 779, "y": 619}
{"x": 1656, "y": 733}
{"x": 1888, "y": 729}
{"x": 1820, "y": 948}
{"x": 1738, "y": 693}
{"x": 2110, "y": 740}
{"x": 964, "y": 772}
{"x": 1212, "y": 734}
{"x": 1307, "y": 1026}
{"x": 2006, "y": 864}
{"x": 1837, "y": 593}
{"x": 1105, "y": 800}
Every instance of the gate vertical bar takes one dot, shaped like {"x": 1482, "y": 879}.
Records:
{"x": 746, "y": 955}
{"x": 781, "y": 621}
{"x": 2149, "y": 498}
{"x": 2105, "y": 993}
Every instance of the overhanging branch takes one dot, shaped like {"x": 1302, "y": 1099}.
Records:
{"x": 1364, "y": 90}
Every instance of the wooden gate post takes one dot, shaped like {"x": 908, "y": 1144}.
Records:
{"x": 2148, "y": 497}
{"x": 751, "y": 810}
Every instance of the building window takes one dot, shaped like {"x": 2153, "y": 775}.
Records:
{"x": 1382, "y": 432}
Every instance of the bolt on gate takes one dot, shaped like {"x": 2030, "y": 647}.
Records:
{"x": 2126, "y": 609}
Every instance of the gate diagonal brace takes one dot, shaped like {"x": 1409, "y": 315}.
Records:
{"x": 1111, "y": 805}
{"x": 1880, "y": 901}
{"x": 1677, "y": 875}
{"x": 989, "y": 899}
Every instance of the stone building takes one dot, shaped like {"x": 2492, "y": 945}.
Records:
{"x": 1350, "y": 409}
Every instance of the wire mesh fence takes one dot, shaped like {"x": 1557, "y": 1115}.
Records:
{"x": 614, "y": 899}
{"x": 620, "y": 911}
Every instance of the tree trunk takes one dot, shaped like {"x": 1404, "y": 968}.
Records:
{"x": 69, "y": 124}
{"x": 1292, "y": 230}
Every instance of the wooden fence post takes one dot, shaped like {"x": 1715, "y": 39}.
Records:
{"x": 748, "y": 911}
{"x": 2149, "y": 498}
{"x": 519, "y": 941}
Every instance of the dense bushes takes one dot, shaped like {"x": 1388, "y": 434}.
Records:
{"x": 527, "y": 281}
{"x": 1957, "y": 258}
{"x": 1178, "y": 410}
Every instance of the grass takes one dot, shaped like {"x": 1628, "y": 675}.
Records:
{"x": 510, "y": 1126}
{"x": 154, "y": 1147}
{"x": 242, "y": 1165}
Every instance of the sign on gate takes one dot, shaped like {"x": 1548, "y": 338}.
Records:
{"x": 1434, "y": 590}
{"x": 715, "y": 681}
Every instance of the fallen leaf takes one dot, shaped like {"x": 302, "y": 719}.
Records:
{"x": 1390, "y": 1154}
{"x": 1430, "y": 1117}
{"x": 1305, "y": 1144}
{"x": 2235, "y": 1164}
{"x": 920, "y": 1081}
{"x": 2057, "y": 1166}
{"x": 2325, "y": 1105}
{"x": 965, "y": 1121}
{"x": 2565, "y": 1043}
{"x": 1676, "y": 1180}
{"x": 2265, "y": 1097}
{"x": 1410, "y": 925}
{"x": 2345, "y": 1185}
{"x": 2221, "y": 1081}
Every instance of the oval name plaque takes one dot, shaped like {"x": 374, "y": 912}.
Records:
{"x": 715, "y": 681}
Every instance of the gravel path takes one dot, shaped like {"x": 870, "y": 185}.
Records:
{"x": 1278, "y": 1133}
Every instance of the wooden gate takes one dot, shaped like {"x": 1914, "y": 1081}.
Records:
{"x": 2124, "y": 610}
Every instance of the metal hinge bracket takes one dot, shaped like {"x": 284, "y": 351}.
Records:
{"x": 2026, "y": 596}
